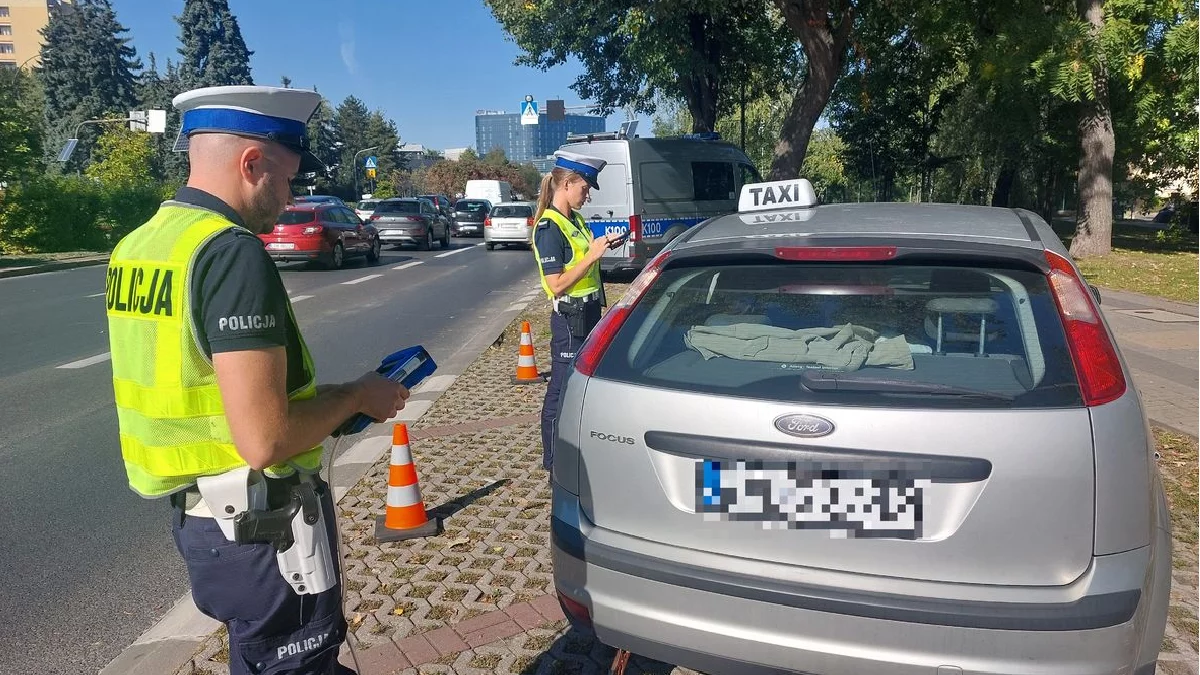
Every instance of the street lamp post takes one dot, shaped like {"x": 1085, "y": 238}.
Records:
{"x": 357, "y": 194}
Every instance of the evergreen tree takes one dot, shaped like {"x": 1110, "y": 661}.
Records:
{"x": 156, "y": 91}
{"x": 213, "y": 51}
{"x": 89, "y": 74}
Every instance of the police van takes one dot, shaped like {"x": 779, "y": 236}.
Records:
{"x": 657, "y": 188}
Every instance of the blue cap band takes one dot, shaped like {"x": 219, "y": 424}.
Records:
{"x": 286, "y": 131}
{"x": 584, "y": 170}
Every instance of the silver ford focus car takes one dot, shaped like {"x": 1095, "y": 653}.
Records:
{"x": 861, "y": 438}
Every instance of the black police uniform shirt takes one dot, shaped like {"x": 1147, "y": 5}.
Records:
{"x": 238, "y": 298}
{"x": 554, "y": 251}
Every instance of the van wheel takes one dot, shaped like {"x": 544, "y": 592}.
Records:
{"x": 491, "y": 247}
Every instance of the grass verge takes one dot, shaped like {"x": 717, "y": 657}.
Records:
{"x": 25, "y": 260}
{"x": 1143, "y": 260}
{"x": 1177, "y": 464}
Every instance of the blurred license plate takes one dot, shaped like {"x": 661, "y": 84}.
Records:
{"x": 784, "y": 496}
{"x": 281, "y": 246}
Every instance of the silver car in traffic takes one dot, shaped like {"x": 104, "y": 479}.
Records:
{"x": 861, "y": 438}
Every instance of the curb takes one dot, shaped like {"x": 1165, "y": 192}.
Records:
{"x": 52, "y": 267}
{"x": 173, "y": 641}
{"x": 1151, "y": 301}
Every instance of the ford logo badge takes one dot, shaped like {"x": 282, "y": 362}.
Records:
{"x": 804, "y": 426}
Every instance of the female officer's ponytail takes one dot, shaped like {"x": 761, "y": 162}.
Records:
{"x": 551, "y": 182}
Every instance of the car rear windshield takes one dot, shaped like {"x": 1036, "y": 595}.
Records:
{"x": 295, "y": 217}
{"x": 398, "y": 207}
{"x": 367, "y": 206}
{"x": 512, "y": 212}
{"x": 470, "y": 206}
{"x": 869, "y": 335}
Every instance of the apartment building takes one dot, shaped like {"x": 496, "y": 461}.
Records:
{"x": 21, "y": 23}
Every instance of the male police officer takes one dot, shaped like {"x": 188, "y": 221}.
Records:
{"x": 211, "y": 375}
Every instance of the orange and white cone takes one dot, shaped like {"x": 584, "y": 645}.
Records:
{"x": 404, "y": 514}
{"x": 527, "y": 371}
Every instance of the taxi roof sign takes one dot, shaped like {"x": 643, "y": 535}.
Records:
{"x": 780, "y": 194}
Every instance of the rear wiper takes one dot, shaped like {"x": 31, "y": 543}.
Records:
{"x": 832, "y": 381}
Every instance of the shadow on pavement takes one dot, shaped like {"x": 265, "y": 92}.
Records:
{"x": 457, "y": 504}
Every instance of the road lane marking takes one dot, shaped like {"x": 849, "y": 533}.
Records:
{"x": 361, "y": 279}
{"x": 90, "y": 361}
{"x": 298, "y": 298}
{"x": 482, "y": 244}
{"x": 408, "y": 265}
{"x": 96, "y": 295}
{"x": 457, "y": 250}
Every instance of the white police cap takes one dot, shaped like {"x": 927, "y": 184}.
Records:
{"x": 270, "y": 113}
{"x": 588, "y": 167}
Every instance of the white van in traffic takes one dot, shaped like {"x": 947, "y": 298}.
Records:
{"x": 657, "y": 188}
{"x": 495, "y": 191}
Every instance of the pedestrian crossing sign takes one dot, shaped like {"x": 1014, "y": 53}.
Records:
{"x": 372, "y": 163}
{"x": 529, "y": 111}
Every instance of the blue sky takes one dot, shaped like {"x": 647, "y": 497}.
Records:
{"x": 428, "y": 65}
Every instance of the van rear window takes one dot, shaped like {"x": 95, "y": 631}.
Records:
{"x": 870, "y": 335}
{"x": 688, "y": 181}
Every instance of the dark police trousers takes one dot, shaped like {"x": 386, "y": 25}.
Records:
{"x": 272, "y": 630}
{"x": 563, "y": 346}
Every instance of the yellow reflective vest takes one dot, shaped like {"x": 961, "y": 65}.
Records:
{"x": 169, "y": 409}
{"x": 579, "y": 237}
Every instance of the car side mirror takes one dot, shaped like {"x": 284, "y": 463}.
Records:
{"x": 1095, "y": 293}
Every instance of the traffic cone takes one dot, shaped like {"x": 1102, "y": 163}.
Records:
{"x": 527, "y": 371}
{"x": 404, "y": 514}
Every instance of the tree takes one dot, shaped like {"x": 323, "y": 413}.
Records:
{"x": 123, "y": 158}
{"x": 213, "y": 51}
{"x": 89, "y": 74}
{"x": 636, "y": 52}
{"x": 155, "y": 91}
{"x": 1099, "y": 54}
{"x": 357, "y": 129}
{"x": 21, "y": 127}
{"x": 823, "y": 28}
{"x": 495, "y": 157}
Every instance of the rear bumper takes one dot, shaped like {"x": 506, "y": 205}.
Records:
{"x": 468, "y": 229}
{"x": 410, "y": 236}
{"x": 493, "y": 235}
{"x": 304, "y": 251}
{"x": 721, "y": 622}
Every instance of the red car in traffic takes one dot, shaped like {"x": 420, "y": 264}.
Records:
{"x": 321, "y": 232}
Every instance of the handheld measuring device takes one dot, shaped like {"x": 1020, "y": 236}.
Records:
{"x": 408, "y": 367}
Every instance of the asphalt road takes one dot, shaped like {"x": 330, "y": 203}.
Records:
{"x": 87, "y": 565}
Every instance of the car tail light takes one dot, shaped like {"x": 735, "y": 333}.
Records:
{"x": 635, "y": 228}
{"x": 602, "y": 335}
{"x": 1096, "y": 363}
{"x": 374, "y": 217}
{"x": 576, "y": 610}
{"x": 836, "y": 253}
{"x": 529, "y": 221}
{"x": 487, "y": 222}
{"x": 315, "y": 229}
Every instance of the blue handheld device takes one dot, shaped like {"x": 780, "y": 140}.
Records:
{"x": 408, "y": 367}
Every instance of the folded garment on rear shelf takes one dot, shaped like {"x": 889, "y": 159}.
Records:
{"x": 847, "y": 347}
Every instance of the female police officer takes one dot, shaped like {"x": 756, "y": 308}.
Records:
{"x": 569, "y": 263}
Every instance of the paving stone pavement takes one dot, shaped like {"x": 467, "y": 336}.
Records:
{"x": 476, "y": 599}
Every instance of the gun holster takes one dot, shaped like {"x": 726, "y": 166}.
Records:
{"x": 296, "y": 530}
{"x": 581, "y": 315}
